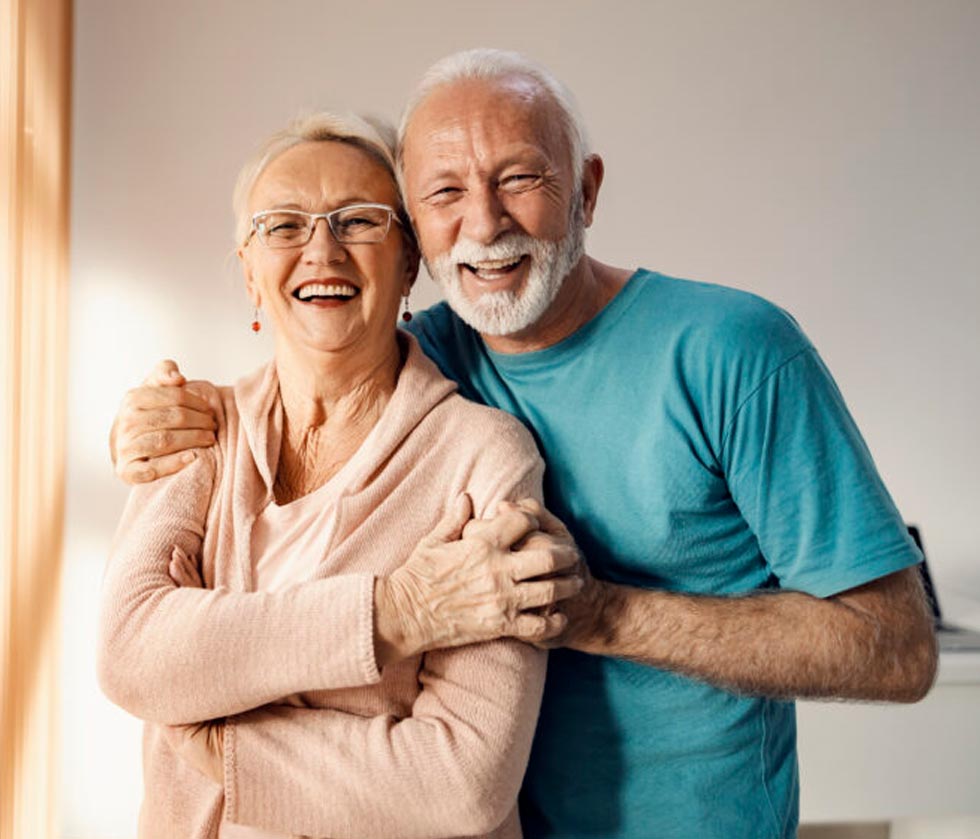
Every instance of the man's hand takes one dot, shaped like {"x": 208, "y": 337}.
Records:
{"x": 584, "y": 611}
{"x": 202, "y": 745}
{"x": 158, "y": 425}
{"x": 472, "y": 581}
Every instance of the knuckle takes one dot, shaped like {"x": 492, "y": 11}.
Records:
{"x": 537, "y": 628}
{"x": 129, "y": 400}
{"x": 482, "y": 550}
{"x": 141, "y": 474}
{"x": 531, "y": 505}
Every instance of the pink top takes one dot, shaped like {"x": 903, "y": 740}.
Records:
{"x": 285, "y": 538}
{"x": 318, "y": 742}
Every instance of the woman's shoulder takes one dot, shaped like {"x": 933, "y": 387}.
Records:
{"x": 488, "y": 430}
{"x": 453, "y": 420}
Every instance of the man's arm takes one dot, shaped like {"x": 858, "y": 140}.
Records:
{"x": 158, "y": 425}
{"x": 873, "y": 642}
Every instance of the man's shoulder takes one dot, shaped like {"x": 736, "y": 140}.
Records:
{"x": 718, "y": 319}
{"x": 455, "y": 347}
{"x": 439, "y": 327}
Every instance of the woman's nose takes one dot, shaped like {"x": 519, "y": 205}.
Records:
{"x": 323, "y": 246}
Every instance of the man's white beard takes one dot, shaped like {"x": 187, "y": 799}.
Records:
{"x": 509, "y": 312}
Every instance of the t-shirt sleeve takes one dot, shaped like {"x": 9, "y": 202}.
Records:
{"x": 803, "y": 478}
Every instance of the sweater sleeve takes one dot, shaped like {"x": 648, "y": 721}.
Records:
{"x": 178, "y": 655}
{"x": 453, "y": 767}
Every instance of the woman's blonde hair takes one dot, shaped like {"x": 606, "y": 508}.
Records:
{"x": 373, "y": 135}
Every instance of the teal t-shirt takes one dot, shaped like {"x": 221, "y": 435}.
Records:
{"x": 694, "y": 442}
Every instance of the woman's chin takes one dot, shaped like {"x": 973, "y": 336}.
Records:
{"x": 333, "y": 341}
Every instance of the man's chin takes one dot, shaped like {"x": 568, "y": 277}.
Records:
{"x": 499, "y": 314}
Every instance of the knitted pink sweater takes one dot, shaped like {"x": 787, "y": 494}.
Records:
{"x": 434, "y": 746}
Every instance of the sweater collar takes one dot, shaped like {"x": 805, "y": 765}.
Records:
{"x": 419, "y": 389}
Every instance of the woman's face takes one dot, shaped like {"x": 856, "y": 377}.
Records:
{"x": 368, "y": 279}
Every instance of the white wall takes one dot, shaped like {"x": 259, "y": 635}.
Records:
{"x": 823, "y": 154}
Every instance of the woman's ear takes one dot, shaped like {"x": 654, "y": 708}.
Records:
{"x": 412, "y": 260}
{"x": 251, "y": 287}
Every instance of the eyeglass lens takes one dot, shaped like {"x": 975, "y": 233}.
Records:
{"x": 352, "y": 225}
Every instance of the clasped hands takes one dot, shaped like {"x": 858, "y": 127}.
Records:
{"x": 518, "y": 574}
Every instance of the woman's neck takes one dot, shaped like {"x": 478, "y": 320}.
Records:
{"x": 331, "y": 401}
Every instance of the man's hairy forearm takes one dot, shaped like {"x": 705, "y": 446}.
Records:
{"x": 873, "y": 643}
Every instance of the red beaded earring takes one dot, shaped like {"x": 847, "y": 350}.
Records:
{"x": 256, "y": 323}
{"x": 406, "y": 315}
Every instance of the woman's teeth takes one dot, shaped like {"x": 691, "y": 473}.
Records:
{"x": 311, "y": 290}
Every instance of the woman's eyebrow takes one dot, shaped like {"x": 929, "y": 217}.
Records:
{"x": 343, "y": 202}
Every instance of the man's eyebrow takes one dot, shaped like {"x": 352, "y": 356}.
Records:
{"x": 442, "y": 174}
{"x": 525, "y": 156}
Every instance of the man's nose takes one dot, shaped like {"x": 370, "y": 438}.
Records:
{"x": 484, "y": 216}
{"x": 323, "y": 246}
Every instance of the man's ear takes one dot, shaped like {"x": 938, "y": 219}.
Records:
{"x": 593, "y": 170}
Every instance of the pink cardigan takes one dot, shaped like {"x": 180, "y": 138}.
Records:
{"x": 318, "y": 741}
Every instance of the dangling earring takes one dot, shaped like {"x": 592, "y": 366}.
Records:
{"x": 256, "y": 323}
{"x": 406, "y": 315}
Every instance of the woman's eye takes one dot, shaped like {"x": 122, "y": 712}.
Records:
{"x": 358, "y": 223}
{"x": 285, "y": 227}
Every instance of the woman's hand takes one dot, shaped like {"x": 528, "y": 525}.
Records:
{"x": 184, "y": 570}
{"x": 202, "y": 745}
{"x": 472, "y": 581}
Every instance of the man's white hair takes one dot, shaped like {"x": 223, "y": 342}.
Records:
{"x": 489, "y": 64}
{"x": 372, "y": 135}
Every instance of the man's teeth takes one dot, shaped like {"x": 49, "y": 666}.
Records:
{"x": 312, "y": 290}
{"x": 491, "y": 268}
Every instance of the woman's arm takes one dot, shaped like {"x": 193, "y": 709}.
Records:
{"x": 178, "y": 655}
{"x": 452, "y": 768}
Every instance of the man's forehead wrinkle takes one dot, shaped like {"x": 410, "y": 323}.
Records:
{"x": 480, "y": 127}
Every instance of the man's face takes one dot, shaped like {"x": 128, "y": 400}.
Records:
{"x": 489, "y": 185}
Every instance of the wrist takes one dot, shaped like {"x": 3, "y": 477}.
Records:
{"x": 394, "y": 635}
{"x": 597, "y": 635}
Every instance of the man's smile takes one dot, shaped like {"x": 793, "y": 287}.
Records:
{"x": 489, "y": 270}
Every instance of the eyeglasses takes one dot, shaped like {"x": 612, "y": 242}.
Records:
{"x": 355, "y": 224}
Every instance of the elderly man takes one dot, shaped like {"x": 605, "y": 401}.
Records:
{"x": 743, "y": 549}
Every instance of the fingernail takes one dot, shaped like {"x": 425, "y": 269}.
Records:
{"x": 188, "y": 457}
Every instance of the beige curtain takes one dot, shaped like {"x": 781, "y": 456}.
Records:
{"x": 35, "y": 76}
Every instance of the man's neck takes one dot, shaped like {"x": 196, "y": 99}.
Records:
{"x": 586, "y": 291}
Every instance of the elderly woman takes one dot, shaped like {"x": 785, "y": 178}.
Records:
{"x": 317, "y": 637}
